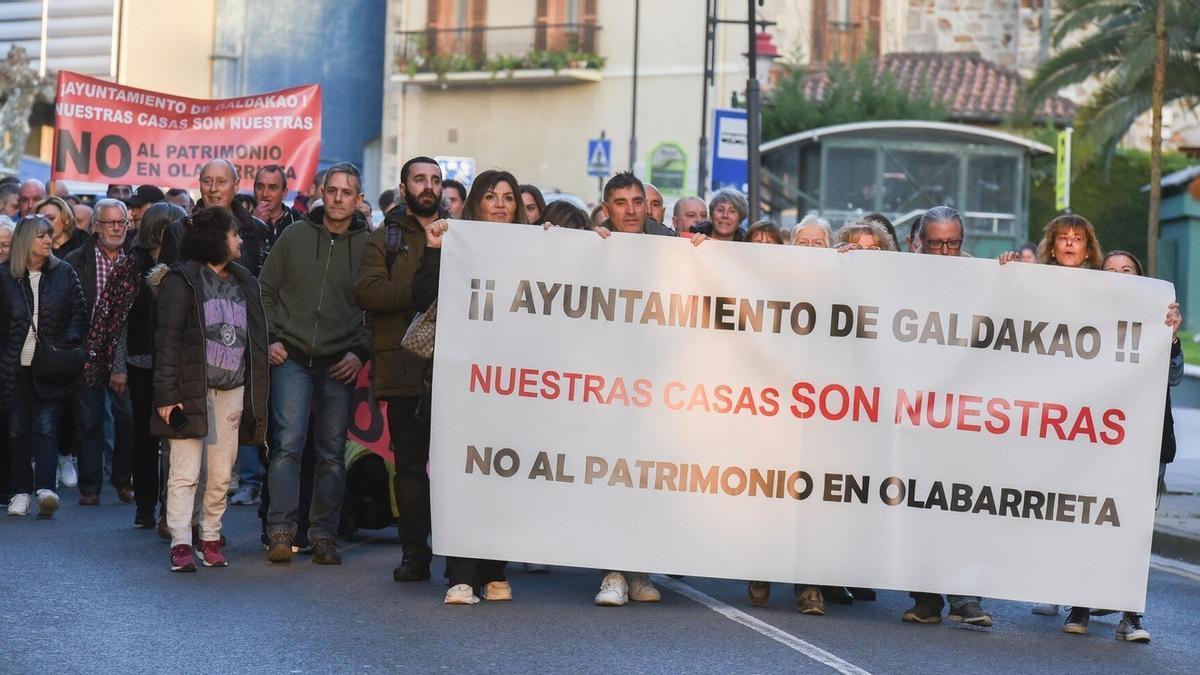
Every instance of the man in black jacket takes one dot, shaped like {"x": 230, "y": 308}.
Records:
{"x": 103, "y": 267}
{"x": 270, "y": 187}
{"x": 218, "y": 187}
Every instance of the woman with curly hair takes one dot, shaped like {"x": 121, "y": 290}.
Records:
{"x": 210, "y": 378}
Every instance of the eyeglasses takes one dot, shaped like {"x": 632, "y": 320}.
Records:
{"x": 112, "y": 223}
{"x": 939, "y": 244}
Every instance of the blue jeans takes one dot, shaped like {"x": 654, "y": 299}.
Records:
{"x": 33, "y": 433}
{"x": 98, "y": 409}
{"x": 248, "y": 468}
{"x": 296, "y": 391}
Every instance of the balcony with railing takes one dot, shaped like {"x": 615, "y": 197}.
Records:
{"x": 486, "y": 55}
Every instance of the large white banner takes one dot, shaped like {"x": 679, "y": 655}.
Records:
{"x": 780, "y": 413}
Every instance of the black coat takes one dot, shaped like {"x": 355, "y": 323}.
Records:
{"x": 143, "y": 316}
{"x": 180, "y": 373}
{"x": 62, "y": 321}
{"x": 83, "y": 259}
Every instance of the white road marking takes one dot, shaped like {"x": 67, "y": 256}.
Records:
{"x": 1177, "y": 567}
{"x": 761, "y": 627}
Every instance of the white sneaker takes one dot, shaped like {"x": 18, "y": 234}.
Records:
{"x": 1045, "y": 609}
{"x": 47, "y": 503}
{"x": 461, "y": 594}
{"x": 19, "y": 504}
{"x": 497, "y": 590}
{"x": 68, "y": 475}
{"x": 614, "y": 592}
{"x": 640, "y": 588}
{"x": 246, "y": 496}
{"x": 235, "y": 484}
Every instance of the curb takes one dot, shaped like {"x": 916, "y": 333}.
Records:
{"x": 1176, "y": 544}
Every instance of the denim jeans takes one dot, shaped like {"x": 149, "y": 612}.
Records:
{"x": 248, "y": 467}
{"x": 94, "y": 413}
{"x": 296, "y": 390}
{"x": 33, "y": 434}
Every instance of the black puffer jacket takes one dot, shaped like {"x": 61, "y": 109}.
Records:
{"x": 62, "y": 320}
{"x": 256, "y": 236}
{"x": 143, "y": 316}
{"x": 180, "y": 373}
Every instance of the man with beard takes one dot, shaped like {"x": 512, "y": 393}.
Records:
{"x": 384, "y": 289}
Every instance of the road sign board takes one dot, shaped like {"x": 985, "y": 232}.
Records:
{"x": 599, "y": 157}
{"x": 729, "y": 164}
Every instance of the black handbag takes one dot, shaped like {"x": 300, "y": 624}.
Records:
{"x": 51, "y": 363}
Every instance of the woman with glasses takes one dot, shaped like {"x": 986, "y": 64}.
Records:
{"x": 812, "y": 231}
{"x": 863, "y": 236}
{"x": 45, "y": 306}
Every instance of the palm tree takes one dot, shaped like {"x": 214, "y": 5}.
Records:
{"x": 1117, "y": 48}
{"x": 1116, "y": 42}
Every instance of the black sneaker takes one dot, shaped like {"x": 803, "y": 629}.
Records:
{"x": 971, "y": 613}
{"x": 411, "y": 569}
{"x": 1130, "y": 629}
{"x": 144, "y": 521}
{"x": 923, "y": 611}
{"x": 1077, "y": 621}
{"x": 325, "y": 551}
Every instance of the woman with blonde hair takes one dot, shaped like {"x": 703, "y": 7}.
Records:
{"x": 1070, "y": 240}
{"x": 863, "y": 235}
{"x": 67, "y": 237}
{"x": 45, "y": 310}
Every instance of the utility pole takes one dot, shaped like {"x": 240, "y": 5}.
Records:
{"x": 753, "y": 136}
{"x": 637, "y": 10}
{"x": 1156, "y": 106}
{"x": 710, "y": 40}
{"x": 753, "y": 104}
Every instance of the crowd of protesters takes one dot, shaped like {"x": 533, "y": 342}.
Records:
{"x": 195, "y": 346}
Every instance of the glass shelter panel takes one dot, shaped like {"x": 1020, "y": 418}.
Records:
{"x": 919, "y": 179}
{"x": 992, "y": 184}
{"x": 849, "y": 179}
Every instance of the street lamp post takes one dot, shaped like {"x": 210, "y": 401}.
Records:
{"x": 637, "y": 9}
{"x": 753, "y": 135}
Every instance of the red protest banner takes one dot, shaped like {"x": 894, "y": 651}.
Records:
{"x": 109, "y": 133}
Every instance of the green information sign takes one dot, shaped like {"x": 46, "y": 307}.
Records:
{"x": 668, "y": 168}
{"x": 1062, "y": 176}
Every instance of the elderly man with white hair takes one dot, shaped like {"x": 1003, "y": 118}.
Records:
{"x": 110, "y": 286}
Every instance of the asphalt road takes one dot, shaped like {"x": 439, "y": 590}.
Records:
{"x": 87, "y": 592}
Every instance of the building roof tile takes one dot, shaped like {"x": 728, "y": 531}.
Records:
{"x": 971, "y": 87}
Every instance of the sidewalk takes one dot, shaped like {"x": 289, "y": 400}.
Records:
{"x": 1177, "y": 523}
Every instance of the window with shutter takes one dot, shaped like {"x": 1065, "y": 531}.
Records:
{"x": 844, "y": 30}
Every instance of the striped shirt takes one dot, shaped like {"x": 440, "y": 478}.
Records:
{"x": 35, "y": 279}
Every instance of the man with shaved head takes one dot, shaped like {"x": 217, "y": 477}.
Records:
{"x": 654, "y": 204}
{"x": 218, "y": 187}
{"x": 688, "y": 211}
{"x": 32, "y": 192}
{"x": 83, "y": 217}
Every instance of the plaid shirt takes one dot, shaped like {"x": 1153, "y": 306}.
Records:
{"x": 103, "y": 269}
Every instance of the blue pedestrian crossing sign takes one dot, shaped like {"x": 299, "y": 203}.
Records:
{"x": 599, "y": 157}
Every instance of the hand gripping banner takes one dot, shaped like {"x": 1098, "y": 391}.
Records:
{"x": 877, "y": 419}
